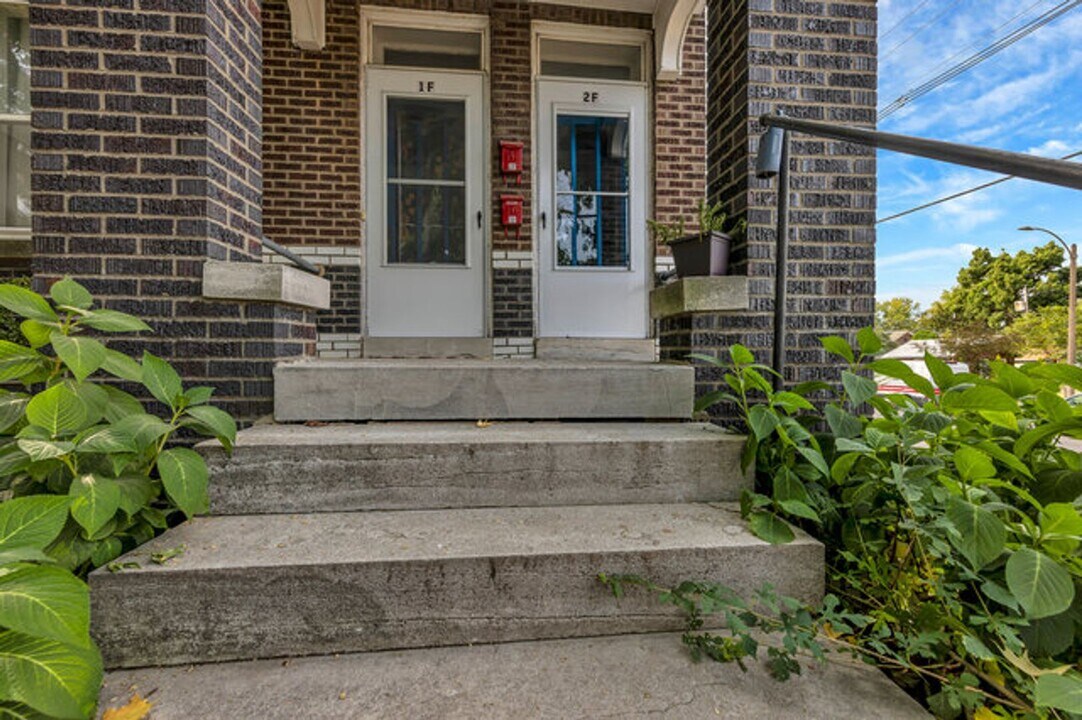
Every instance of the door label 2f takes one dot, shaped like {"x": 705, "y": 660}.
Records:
{"x": 590, "y": 96}
{"x": 426, "y": 86}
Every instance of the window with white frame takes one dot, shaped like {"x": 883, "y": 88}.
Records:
{"x": 14, "y": 120}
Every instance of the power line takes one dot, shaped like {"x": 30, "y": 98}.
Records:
{"x": 957, "y": 195}
{"x": 918, "y": 31}
{"x": 979, "y": 57}
{"x": 908, "y": 15}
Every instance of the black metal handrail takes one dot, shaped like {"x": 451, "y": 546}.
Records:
{"x": 291, "y": 256}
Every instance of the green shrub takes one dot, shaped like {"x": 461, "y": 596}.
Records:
{"x": 91, "y": 441}
{"x": 951, "y": 524}
{"x": 9, "y": 321}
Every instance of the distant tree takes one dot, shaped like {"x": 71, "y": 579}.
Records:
{"x": 1042, "y": 333}
{"x": 977, "y": 344}
{"x": 898, "y": 313}
{"x": 989, "y": 287}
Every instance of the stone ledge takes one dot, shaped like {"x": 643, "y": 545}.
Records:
{"x": 265, "y": 282}
{"x": 700, "y": 294}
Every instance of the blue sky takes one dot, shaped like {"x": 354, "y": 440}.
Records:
{"x": 1028, "y": 98}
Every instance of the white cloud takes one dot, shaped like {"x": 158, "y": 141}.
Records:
{"x": 958, "y": 251}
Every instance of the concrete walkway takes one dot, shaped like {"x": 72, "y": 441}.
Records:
{"x": 629, "y": 676}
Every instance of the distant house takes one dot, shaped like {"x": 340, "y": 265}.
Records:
{"x": 912, "y": 353}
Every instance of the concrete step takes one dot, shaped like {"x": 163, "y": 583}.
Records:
{"x": 415, "y": 466}
{"x": 459, "y": 389}
{"x": 627, "y": 676}
{"x": 260, "y": 586}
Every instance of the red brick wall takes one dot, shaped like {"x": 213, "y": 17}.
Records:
{"x": 311, "y": 130}
{"x": 680, "y": 135}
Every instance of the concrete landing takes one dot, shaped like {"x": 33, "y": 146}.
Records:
{"x": 258, "y": 586}
{"x": 361, "y": 390}
{"x": 415, "y": 466}
{"x": 631, "y": 676}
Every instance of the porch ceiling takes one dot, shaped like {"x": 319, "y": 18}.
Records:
{"x": 671, "y": 18}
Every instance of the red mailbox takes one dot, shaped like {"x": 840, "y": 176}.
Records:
{"x": 511, "y": 158}
{"x": 511, "y": 212}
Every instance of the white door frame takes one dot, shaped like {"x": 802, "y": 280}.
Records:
{"x": 391, "y": 288}
{"x": 568, "y": 287}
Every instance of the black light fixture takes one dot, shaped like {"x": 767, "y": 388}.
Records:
{"x": 772, "y": 160}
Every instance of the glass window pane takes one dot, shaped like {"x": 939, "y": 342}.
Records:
{"x": 589, "y": 146}
{"x": 426, "y": 224}
{"x": 567, "y": 58}
{"x": 591, "y": 230}
{"x": 15, "y": 174}
{"x": 426, "y": 139}
{"x": 418, "y": 47}
{"x": 14, "y": 60}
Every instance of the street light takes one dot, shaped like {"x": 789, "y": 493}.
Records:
{"x": 1072, "y": 302}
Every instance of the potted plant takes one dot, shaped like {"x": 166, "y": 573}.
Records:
{"x": 705, "y": 252}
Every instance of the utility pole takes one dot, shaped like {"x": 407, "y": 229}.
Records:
{"x": 1072, "y": 297}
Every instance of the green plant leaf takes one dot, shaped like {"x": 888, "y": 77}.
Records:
{"x": 60, "y": 410}
{"x": 842, "y": 423}
{"x": 36, "y": 333}
{"x": 981, "y": 397}
{"x": 220, "y": 423}
{"x": 118, "y": 364}
{"x": 791, "y": 401}
{"x": 161, "y": 380}
{"x": 184, "y": 475}
{"x": 1042, "y": 587}
{"x": 106, "y": 439}
{"x": 1058, "y": 485}
{"x": 136, "y": 493}
{"x": 26, "y": 303}
{"x": 839, "y": 346}
{"x": 120, "y": 405}
{"x": 814, "y": 457}
{"x": 143, "y": 428}
{"x": 57, "y": 679}
{"x": 860, "y": 389}
{"x": 973, "y": 464}
{"x": 198, "y": 395}
{"x": 900, "y": 371}
{"x": 12, "y": 408}
{"x": 1049, "y": 636}
{"x": 741, "y": 355}
{"x": 70, "y": 293}
{"x": 842, "y": 466}
{"x": 83, "y": 356}
{"x": 1042, "y": 433}
{"x": 940, "y": 371}
{"x": 799, "y": 509}
{"x": 769, "y": 527}
{"x": 1063, "y": 523}
{"x": 46, "y": 602}
{"x": 113, "y": 321}
{"x": 868, "y": 341}
{"x": 1012, "y": 380}
{"x": 95, "y": 501}
{"x": 1063, "y": 692}
{"x": 981, "y": 536}
{"x": 1061, "y": 373}
{"x": 761, "y": 420}
{"x": 1055, "y": 407}
{"x": 39, "y": 450}
{"x": 33, "y": 521}
{"x": 1005, "y": 420}
{"x": 17, "y": 361}
{"x": 788, "y": 486}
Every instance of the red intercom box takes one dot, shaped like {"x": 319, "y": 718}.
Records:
{"x": 511, "y": 158}
{"x": 511, "y": 212}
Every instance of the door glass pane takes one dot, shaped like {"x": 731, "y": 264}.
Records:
{"x": 591, "y": 191}
{"x": 15, "y": 174}
{"x": 426, "y": 181}
{"x": 14, "y": 60}
{"x": 567, "y": 58}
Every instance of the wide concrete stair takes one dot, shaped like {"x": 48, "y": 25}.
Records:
{"x": 410, "y": 526}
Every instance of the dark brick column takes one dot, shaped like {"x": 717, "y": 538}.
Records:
{"x": 147, "y": 161}
{"x": 814, "y": 60}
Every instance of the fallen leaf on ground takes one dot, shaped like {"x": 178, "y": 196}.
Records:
{"x": 484, "y": 423}
{"x": 136, "y": 709}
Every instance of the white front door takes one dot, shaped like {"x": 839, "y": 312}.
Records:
{"x": 424, "y": 239}
{"x": 591, "y": 209}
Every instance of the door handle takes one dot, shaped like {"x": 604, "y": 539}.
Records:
{"x": 480, "y": 219}
{"x": 544, "y": 219}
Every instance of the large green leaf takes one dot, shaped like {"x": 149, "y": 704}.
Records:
{"x": 106, "y": 439}
{"x": 839, "y": 346}
{"x": 1042, "y": 433}
{"x": 143, "y": 428}
{"x": 26, "y": 303}
{"x": 1058, "y": 485}
{"x": 118, "y": 364}
{"x": 1060, "y": 372}
{"x": 95, "y": 501}
{"x": 859, "y": 388}
{"x": 1042, "y": 587}
{"x": 981, "y": 537}
{"x": 19, "y": 711}
{"x": 1012, "y": 380}
{"x": 70, "y": 293}
{"x": 113, "y": 321}
{"x": 973, "y": 464}
{"x": 940, "y": 371}
{"x": 54, "y": 678}
{"x": 868, "y": 341}
{"x": 60, "y": 410}
{"x": 769, "y": 527}
{"x": 761, "y": 419}
{"x": 82, "y": 355}
{"x": 161, "y": 380}
{"x": 1049, "y": 636}
{"x": 1061, "y": 527}
{"x": 120, "y": 404}
{"x": 136, "y": 492}
{"x": 17, "y": 361}
{"x": 981, "y": 397}
{"x": 33, "y": 521}
{"x": 39, "y": 450}
{"x": 36, "y": 333}
{"x": 900, "y": 371}
{"x": 47, "y": 602}
{"x": 184, "y": 475}
{"x": 12, "y": 407}
{"x": 842, "y": 423}
{"x": 221, "y": 424}
{"x": 1063, "y": 692}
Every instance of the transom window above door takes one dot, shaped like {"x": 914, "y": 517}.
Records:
{"x": 426, "y": 48}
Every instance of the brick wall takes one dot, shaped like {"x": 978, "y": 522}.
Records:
{"x": 680, "y": 135}
{"x": 813, "y": 60}
{"x": 146, "y": 132}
